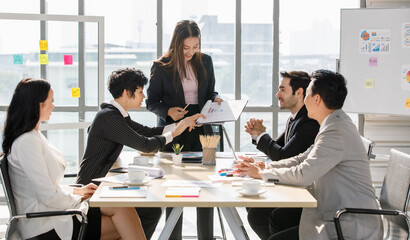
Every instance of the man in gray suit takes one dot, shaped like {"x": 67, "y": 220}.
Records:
{"x": 335, "y": 169}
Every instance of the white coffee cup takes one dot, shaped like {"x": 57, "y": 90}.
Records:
{"x": 136, "y": 175}
{"x": 251, "y": 186}
{"x": 142, "y": 161}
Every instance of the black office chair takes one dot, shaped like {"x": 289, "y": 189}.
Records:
{"x": 11, "y": 231}
{"x": 394, "y": 199}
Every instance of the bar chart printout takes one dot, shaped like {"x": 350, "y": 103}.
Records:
{"x": 228, "y": 111}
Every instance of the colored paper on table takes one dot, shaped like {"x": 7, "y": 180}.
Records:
{"x": 182, "y": 192}
{"x": 368, "y": 83}
{"x": 43, "y": 44}
{"x": 17, "y": 58}
{"x": 75, "y": 92}
{"x": 68, "y": 59}
{"x": 373, "y": 61}
{"x": 43, "y": 59}
{"x": 407, "y": 102}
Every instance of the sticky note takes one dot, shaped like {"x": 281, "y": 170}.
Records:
{"x": 43, "y": 44}
{"x": 68, "y": 59}
{"x": 373, "y": 61}
{"x": 43, "y": 59}
{"x": 368, "y": 83}
{"x": 407, "y": 102}
{"x": 17, "y": 58}
{"x": 75, "y": 92}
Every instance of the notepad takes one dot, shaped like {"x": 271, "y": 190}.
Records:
{"x": 114, "y": 193}
{"x": 182, "y": 192}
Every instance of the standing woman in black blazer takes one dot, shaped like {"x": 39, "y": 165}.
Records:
{"x": 184, "y": 76}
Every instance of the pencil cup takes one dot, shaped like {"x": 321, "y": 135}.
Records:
{"x": 208, "y": 156}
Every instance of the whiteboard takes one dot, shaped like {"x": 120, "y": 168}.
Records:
{"x": 375, "y": 60}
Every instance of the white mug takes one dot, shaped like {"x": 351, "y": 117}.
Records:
{"x": 251, "y": 186}
{"x": 136, "y": 175}
{"x": 142, "y": 161}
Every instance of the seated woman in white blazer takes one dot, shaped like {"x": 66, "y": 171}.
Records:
{"x": 36, "y": 169}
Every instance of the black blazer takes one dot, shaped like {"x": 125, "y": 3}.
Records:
{"x": 302, "y": 134}
{"x": 107, "y": 135}
{"x": 162, "y": 94}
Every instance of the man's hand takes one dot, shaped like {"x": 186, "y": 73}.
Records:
{"x": 219, "y": 100}
{"x": 248, "y": 167}
{"x": 176, "y": 113}
{"x": 87, "y": 191}
{"x": 255, "y": 127}
{"x": 189, "y": 122}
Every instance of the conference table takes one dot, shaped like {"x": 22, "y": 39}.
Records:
{"x": 226, "y": 196}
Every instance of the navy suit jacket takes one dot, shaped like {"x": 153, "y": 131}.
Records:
{"x": 301, "y": 134}
{"x": 163, "y": 94}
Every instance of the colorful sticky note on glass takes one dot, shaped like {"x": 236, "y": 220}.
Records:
{"x": 368, "y": 83}
{"x": 373, "y": 61}
{"x": 75, "y": 92}
{"x": 43, "y": 44}
{"x": 407, "y": 102}
{"x": 68, "y": 59}
{"x": 43, "y": 59}
{"x": 17, "y": 58}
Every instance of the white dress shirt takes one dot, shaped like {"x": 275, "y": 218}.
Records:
{"x": 36, "y": 169}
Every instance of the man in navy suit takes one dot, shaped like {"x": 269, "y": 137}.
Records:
{"x": 299, "y": 134}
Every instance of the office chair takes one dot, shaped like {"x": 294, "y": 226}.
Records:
{"x": 394, "y": 199}
{"x": 11, "y": 231}
{"x": 369, "y": 145}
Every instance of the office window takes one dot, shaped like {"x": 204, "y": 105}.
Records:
{"x": 66, "y": 7}
{"x": 309, "y": 35}
{"x": 130, "y": 34}
{"x": 20, "y": 6}
{"x": 257, "y": 52}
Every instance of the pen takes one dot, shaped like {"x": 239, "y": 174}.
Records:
{"x": 185, "y": 107}
{"x": 123, "y": 188}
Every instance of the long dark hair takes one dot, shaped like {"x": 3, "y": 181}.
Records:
{"x": 183, "y": 30}
{"x": 23, "y": 113}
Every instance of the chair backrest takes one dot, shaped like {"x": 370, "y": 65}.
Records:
{"x": 5, "y": 180}
{"x": 369, "y": 145}
{"x": 395, "y": 191}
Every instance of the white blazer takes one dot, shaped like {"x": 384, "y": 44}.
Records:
{"x": 36, "y": 169}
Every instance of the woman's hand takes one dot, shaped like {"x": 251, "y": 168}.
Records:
{"x": 177, "y": 113}
{"x": 189, "y": 122}
{"x": 87, "y": 191}
{"x": 219, "y": 100}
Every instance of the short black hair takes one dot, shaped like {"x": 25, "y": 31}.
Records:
{"x": 298, "y": 79}
{"x": 331, "y": 87}
{"x": 126, "y": 79}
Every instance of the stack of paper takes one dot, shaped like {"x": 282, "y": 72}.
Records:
{"x": 182, "y": 192}
{"x": 155, "y": 172}
{"x": 140, "y": 192}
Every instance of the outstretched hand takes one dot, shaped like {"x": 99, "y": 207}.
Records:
{"x": 188, "y": 122}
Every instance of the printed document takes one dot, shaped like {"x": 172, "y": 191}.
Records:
{"x": 228, "y": 111}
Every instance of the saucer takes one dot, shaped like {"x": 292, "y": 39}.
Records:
{"x": 245, "y": 194}
{"x": 132, "y": 183}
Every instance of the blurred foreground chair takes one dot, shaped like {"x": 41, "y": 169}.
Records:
{"x": 11, "y": 231}
{"x": 394, "y": 199}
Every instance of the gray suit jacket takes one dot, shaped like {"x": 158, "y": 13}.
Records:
{"x": 337, "y": 172}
